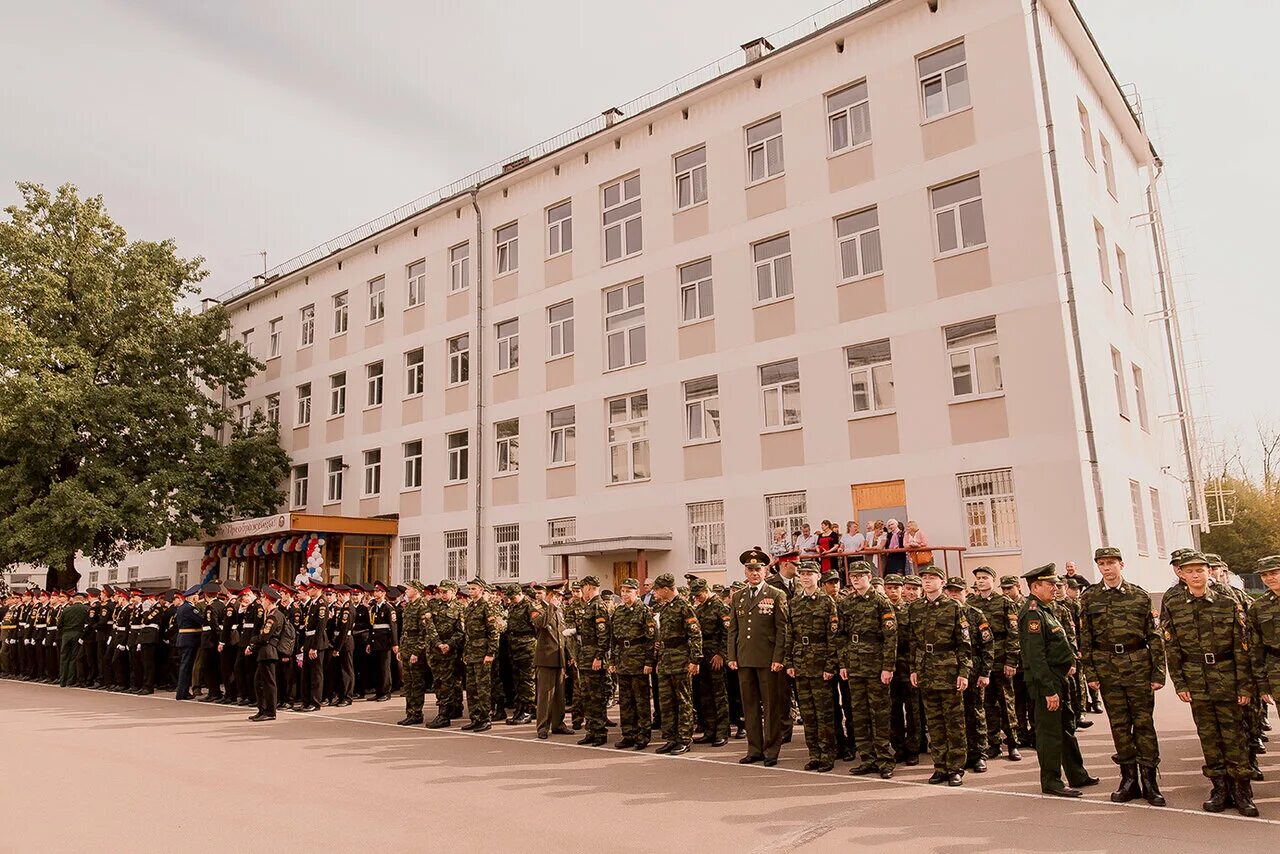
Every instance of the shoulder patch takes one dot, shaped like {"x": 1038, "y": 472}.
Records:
{"x": 1033, "y": 626}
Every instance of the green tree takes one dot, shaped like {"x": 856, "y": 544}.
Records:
{"x": 110, "y": 393}
{"x": 1255, "y": 529}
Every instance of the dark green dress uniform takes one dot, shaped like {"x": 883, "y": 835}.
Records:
{"x": 446, "y": 617}
{"x": 521, "y": 638}
{"x": 713, "y": 619}
{"x": 591, "y": 622}
{"x": 941, "y": 652}
{"x": 71, "y": 623}
{"x": 632, "y": 633}
{"x": 679, "y": 645}
{"x": 814, "y": 656}
{"x": 481, "y": 628}
{"x": 869, "y": 647}
{"x": 1002, "y": 619}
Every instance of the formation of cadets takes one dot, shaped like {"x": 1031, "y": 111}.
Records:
{"x": 880, "y": 670}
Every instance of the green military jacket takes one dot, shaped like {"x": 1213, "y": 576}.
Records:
{"x": 591, "y": 620}
{"x": 1062, "y": 610}
{"x": 482, "y": 627}
{"x": 1046, "y": 652}
{"x": 679, "y": 637}
{"x": 984, "y": 642}
{"x": 1205, "y": 644}
{"x": 1264, "y": 642}
{"x": 714, "y": 619}
{"x": 941, "y": 649}
{"x": 72, "y": 619}
{"x": 814, "y": 640}
{"x": 417, "y": 630}
{"x": 571, "y": 646}
{"x": 446, "y": 620}
{"x": 520, "y": 621}
{"x": 868, "y": 634}
{"x": 902, "y": 669}
{"x": 1002, "y": 618}
{"x": 632, "y": 634}
{"x": 1120, "y": 640}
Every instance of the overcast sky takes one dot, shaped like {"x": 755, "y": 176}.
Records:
{"x": 248, "y": 125}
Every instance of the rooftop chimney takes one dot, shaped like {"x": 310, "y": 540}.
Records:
{"x": 611, "y": 115}
{"x": 756, "y": 48}
{"x": 208, "y": 303}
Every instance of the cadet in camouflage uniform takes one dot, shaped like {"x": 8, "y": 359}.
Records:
{"x": 1256, "y": 711}
{"x": 868, "y": 660}
{"x": 1264, "y": 633}
{"x": 591, "y": 631}
{"x": 445, "y": 612}
{"x": 1123, "y": 653}
{"x": 572, "y": 689}
{"x": 520, "y": 638}
{"x": 480, "y": 624}
{"x": 679, "y": 651}
{"x": 1002, "y": 619}
{"x": 812, "y": 660}
{"x": 904, "y": 725}
{"x": 1205, "y": 644}
{"x": 632, "y": 634}
{"x": 941, "y": 657}
{"x": 975, "y": 711}
{"x": 1024, "y": 711}
{"x": 713, "y": 620}
{"x": 1066, "y": 617}
{"x": 417, "y": 635}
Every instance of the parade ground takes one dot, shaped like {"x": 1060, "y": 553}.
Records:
{"x": 130, "y": 773}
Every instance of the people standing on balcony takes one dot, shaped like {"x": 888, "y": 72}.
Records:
{"x": 828, "y": 542}
{"x": 851, "y": 542}
{"x": 807, "y": 543}
{"x": 894, "y": 538}
{"x": 916, "y": 539}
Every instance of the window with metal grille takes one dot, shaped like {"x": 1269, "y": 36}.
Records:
{"x": 506, "y": 544}
{"x": 562, "y": 531}
{"x": 1157, "y": 520}
{"x": 848, "y": 117}
{"x": 764, "y": 150}
{"x": 411, "y": 558}
{"x": 785, "y": 510}
{"x": 455, "y": 555}
{"x": 1139, "y": 518}
{"x": 990, "y": 510}
{"x": 706, "y": 534}
{"x": 623, "y": 232}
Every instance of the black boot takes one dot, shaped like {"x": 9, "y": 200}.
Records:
{"x": 1150, "y": 786}
{"x": 1242, "y": 794}
{"x": 1129, "y": 788}
{"x": 1219, "y": 797}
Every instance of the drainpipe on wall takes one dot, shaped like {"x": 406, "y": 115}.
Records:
{"x": 477, "y": 381}
{"x": 1072, "y": 309}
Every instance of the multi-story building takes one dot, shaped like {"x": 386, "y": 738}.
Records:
{"x": 901, "y": 260}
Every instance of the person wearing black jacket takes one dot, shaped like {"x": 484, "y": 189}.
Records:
{"x": 314, "y": 645}
{"x": 383, "y": 640}
{"x": 263, "y": 647}
{"x": 214, "y": 608}
{"x": 188, "y": 624}
{"x": 340, "y": 672}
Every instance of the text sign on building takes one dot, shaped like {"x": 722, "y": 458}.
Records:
{"x": 259, "y": 527}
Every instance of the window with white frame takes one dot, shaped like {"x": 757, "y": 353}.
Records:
{"x": 301, "y": 480}
{"x": 1100, "y": 243}
{"x": 628, "y": 437}
{"x": 459, "y": 359}
{"x": 180, "y": 574}
{"x": 1086, "y": 132}
{"x": 414, "y": 364}
{"x": 274, "y": 329}
{"x": 691, "y": 178}
{"x": 1117, "y": 376}
{"x": 411, "y": 558}
{"x": 455, "y": 555}
{"x": 459, "y": 455}
{"x": 1140, "y": 396}
{"x": 848, "y": 117}
{"x": 560, "y": 330}
{"x": 772, "y": 259}
{"x": 562, "y": 430}
{"x": 702, "y": 409}
{"x": 1139, "y": 518}
{"x": 973, "y": 352}
{"x": 1122, "y": 272}
{"x": 506, "y": 248}
{"x": 373, "y": 382}
{"x": 372, "y": 472}
{"x": 706, "y": 534}
{"x": 562, "y": 531}
{"x": 696, "y": 299}
{"x": 990, "y": 510}
{"x": 273, "y": 408}
{"x": 1157, "y": 520}
{"x": 764, "y": 150}
{"x": 244, "y": 414}
{"x": 957, "y": 216}
{"x": 377, "y": 299}
{"x": 307, "y": 326}
{"x": 786, "y": 510}
{"x": 338, "y": 394}
{"x": 508, "y": 335}
{"x": 93, "y": 577}
{"x": 624, "y": 325}
{"x": 113, "y": 574}
{"x": 506, "y": 546}
{"x": 870, "y": 376}
{"x": 559, "y": 228}
{"x": 623, "y": 234}
{"x": 415, "y": 283}
{"x": 944, "y": 81}
{"x": 506, "y": 436}
{"x": 858, "y": 239}
{"x": 780, "y": 394}
{"x": 246, "y": 341}
{"x": 340, "y": 313}
{"x": 459, "y": 261}
{"x": 334, "y": 474}
{"x": 304, "y": 405}
{"x": 413, "y": 464}
{"x": 131, "y": 573}
{"x": 1108, "y": 168}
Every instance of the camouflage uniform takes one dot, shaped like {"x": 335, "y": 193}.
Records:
{"x": 1066, "y": 618}
{"x": 1002, "y": 619}
{"x": 417, "y": 635}
{"x": 814, "y": 654}
{"x": 1264, "y": 643}
{"x": 904, "y": 698}
{"x": 481, "y": 631}
{"x": 446, "y": 621}
{"x": 713, "y": 619}
{"x": 632, "y": 632}
{"x": 975, "y": 710}
{"x": 941, "y": 652}
{"x": 591, "y": 620}
{"x": 572, "y": 682}
{"x": 869, "y": 646}
{"x": 520, "y": 637}
{"x": 679, "y": 645}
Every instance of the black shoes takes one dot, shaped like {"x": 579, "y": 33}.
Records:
{"x": 1065, "y": 792}
{"x": 937, "y": 777}
{"x": 740, "y": 732}
{"x": 886, "y": 774}
{"x": 1242, "y": 794}
{"x": 483, "y": 726}
{"x": 1085, "y": 783}
{"x": 720, "y": 742}
{"x": 747, "y": 760}
{"x": 667, "y": 747}
{"x": 1219, "y": 796}
{"x": 563, "y": 730}
{"x": 1015, "y": 755}
{"x": 624, "y": 743}
{"x": 956, "y": 778}
{"x": 1150, "y": 787}
{"x": 1129, "y": 788}
{"x": 682, "y": 748}
{"x": 439, "y": 723}
{"x": 769, "y": 763}
{"x": 259, "y": 717}
{"x": 411, "y": 720}
{"x": 863, "y": 770}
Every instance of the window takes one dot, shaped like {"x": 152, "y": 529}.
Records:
{"x": 764, "y": 150}
{"x": 244, "y": 414}
{"x": 340, "y": 313}
{"x": 377, "y": 299}
{"x": 273, "y": 408}
{"x": 507, "y": 435}
{"x": 506, "y": 545}
{"x": 560, "y": 329}
{"x": 338, "y": 394}
{"x": 858, "y": 238}
{"x": 1122, "y": 271}
{"x": 180, "y": 574}
{"x": 113, "y": 574}
{"x": 455, "y": 554}
{"x": 691, "y": 178}
{"x": 773, "y": 268}
{"x": 696, "y": 301}
{"x": 334, "y": 470}
{"x": 131, "y": 573}
{"x": 416, "y": 281}
{"x": 413, "y": 464}
{"x": 780, "y": 393}
{"x": 413, "y": 372}
{"x": 1139, "y": 518}
{"x": 990, "y": 510}
{"x": 944, "y": 81}
{"x": 459, "y": 258}
{"x": 706, "y": 534}
{"x": 304, "y": 405}
{"x": 372, "y": 472}
{"x": 300, "y": 482}
{"x": 559, "y": 228}
{"x": 974, "y": 354}
{"x": 373, "y": 378}
{"x": 870, "y": 376}
{"x": 788, "y": 511}
{"x": 411, "y": 558}
{"x": 307, "y": 324}
{"x": 1108, "y": 169}
{"x": 848, "y": 117}
{"x": 93, "y": 578}
{"x": 562, "y": 531}
{"x": 1100, "y": 240}
{"x": 957, "y": 216}
{"x": 621, "y": 219}
{"x": 508, "y": 332}
{"x": 246, "y": 340}
{"x": 624, "y": 325}
{"x": 702, "y": 409}
{"x": 1117, "y": 375}
{"x": 506, "y": 248}
{"x": 459, "y": 359}
{"x": 1140, "y": 396}
{"x": 457, "y": 444}
{"x": 1086, "y": 132}
{"x": 1157, "y": 520}
{"x": 628, "y": 438}
{"x": 562, "y": 448}
{"x": 273, "y": 341}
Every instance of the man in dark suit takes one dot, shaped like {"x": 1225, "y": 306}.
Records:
{"x": 189, "y": 622}
{"x": 783, "y": 575}
{"x": 758, "y": 634}
{"x": 549, "y": 661}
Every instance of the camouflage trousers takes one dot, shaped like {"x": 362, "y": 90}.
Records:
{"x": 414, "y": 688}
{"x": 713, "y": 702}
{"x": 975, "y": 719}
{"x": 445, "y": 682}
{"x": 944, "y": 717}
{"x": 1130, "y": 709}
{"x": 871, "y": 702}
{"x": 635, "y": 706}
{"x": 522, "y": 673}
{"x": 675, "y": 701}
{"x": 1223, "y": 738}
{"x": 1001, "y": 717}
{"x": 904, "y": 719}
{"x": 590, "y": 697}
{"x": 813, "y": 695}
{"x": 479, "y": 691}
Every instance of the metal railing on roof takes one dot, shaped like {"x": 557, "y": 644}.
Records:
{"x": 731, "y": 62}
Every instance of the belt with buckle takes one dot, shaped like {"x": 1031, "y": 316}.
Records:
{"x": 940, "y": 647}
{"x": 1120, "y": 648}
{"x": 1217, "y": 658}
{"x": 626, "y": 644}
{"x": 382, "y": 625}
{"x": 804, "y": 639}
{"x": 188, "y": 631}
{"x": 310, "y": 633}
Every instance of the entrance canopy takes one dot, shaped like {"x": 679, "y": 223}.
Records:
{"x": 609, "y": 545}
{"x": 282, "y": 524}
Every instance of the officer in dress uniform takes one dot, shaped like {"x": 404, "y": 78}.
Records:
{"x": 341, "y": 644}
{"x": 188, "y": 622}
{"x": 383, "y": 640}
{"x": 262, "y": 648}
{"x": 759, "y": 631}
{"x": 314, "y": 644}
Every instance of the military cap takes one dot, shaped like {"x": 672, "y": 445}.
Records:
{"x": 666, "y": 580}
{"x": 511, "y": 589}
{"x": 210, "y": 589}
{"x": 78, "y": 595}
{"x": 1177, "y": 555}
{"x": 479, "y": 582}
{"x": 1009, "y": 581}
{"x": 1107, "y": 552}
{"x": 830, "y": 577}
{"x": 930, "y": 569}
{"x": 271, "y": 593}
{"x": 718, "y": 588}
{"x": 346, "y": 588}
{"x": 985, "y": 570}
{"x": 589, "y": 579}
{"x": 464, "y": 593}
{"x": 380, "y": 585}
{"x": 690, "y": 576}
{"x": 46, "y": 592}
{"x": 861, "y": 566}
{"x": 754, "y": 557}
{"x": 430, "y": 588}
{"x": 954, "y": 583}
{"x": 280, "y": 585}
{"x": 912, "y": 581}
{"x": 415, "y": 584}
{"x": 133, "y": 591}
{"x": 1189, "y": 557}
{"x": 575, "y": 585}
{"x": 1214, "y": 560}
{"x": 445, "y": 584}
{"x": 93, "y": 591}
{"x": 808, "y": 566}
{"x": 399, "y": 589}
{"x": 698, "y": 584}
{"x": 629, "y": 584}
{"x": 606, "y": 592}
{"x": 1048, "y": 572}
{"x": 893, "y": 579}
{"x": 538, "y": 585}
{"x": 737, "y": 585}
{"x": 1268, "y": 563}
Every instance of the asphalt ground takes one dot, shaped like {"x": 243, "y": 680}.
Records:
{"x": 99, "y": 772}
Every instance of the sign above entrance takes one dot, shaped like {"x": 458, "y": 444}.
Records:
{"x": 295, "y": 523}
{"x": 260, "y": 527}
